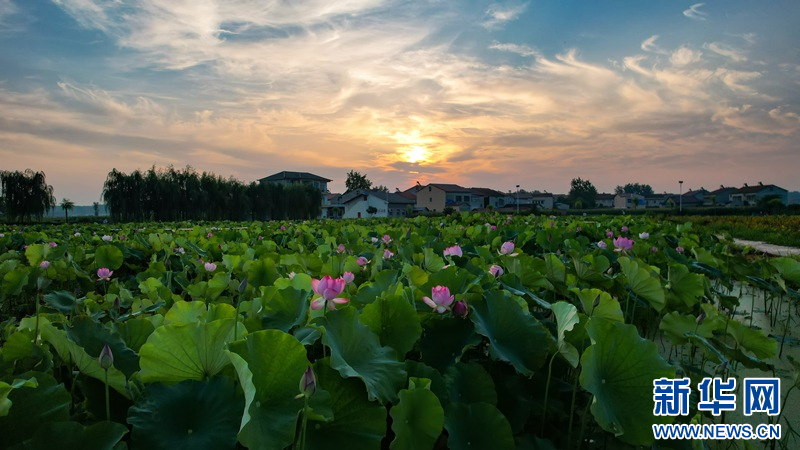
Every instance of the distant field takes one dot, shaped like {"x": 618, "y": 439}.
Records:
{"x": 779, "y": 230}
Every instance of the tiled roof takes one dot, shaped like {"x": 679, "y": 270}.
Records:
{"x": 449, "y": 187}
{"x": 286, "y": 175}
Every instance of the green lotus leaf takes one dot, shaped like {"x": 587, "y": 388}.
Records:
{"x": 789, "y": 268}
{"x": 270, "y": 364}
{"x": 416, "y": 276}
{"x": 356, "y": 352}
{"x": 478, "y": 425}
{"x": 368, "y": 292}
{"x": 677, "y": 326}
{"x": 591, "y": 268}
{"x": 62, "y": 301}
{"x": 108, "y": 256}
{"x": 74, "y": 436}
{"x": 555, "y": 269}
{"x": 686, "y": 287}
{"x": 566, "y": 318}
{"x": 438, "y": 386}
{"x": 394, "y": 321}
{"x": 358, "y": 424}
{"x": 261, "y": 272}
{"x": 752, "y": 340}
{"x": 417, "y": 420}
{"x": 619, "y": 369}
{"x": 195, "y": 351}
{"x": 284, "y": 309}
{"x": 643, "y": 283}
{"x": 606, "y": 308}
{"x": 5, "y": 389}
{"x": 470, "y": 383}
{"x": 36, "y": 253}
{"x": 445, "y": 340}
{"x": 515, "y": 336}
{"x": 189, "y": 415}
{"x": 14, "y": 281}
{"x": 92, "y": 337}
{"x": 33, "y": 407}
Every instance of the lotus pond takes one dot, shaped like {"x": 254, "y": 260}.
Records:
{"x": 479, "y": 331}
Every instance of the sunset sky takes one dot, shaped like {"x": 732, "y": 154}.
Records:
{"x": 475, "y": 93}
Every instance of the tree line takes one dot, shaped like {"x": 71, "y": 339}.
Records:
{"x": 173, "y": 195}
{"x": 25, "y": 196}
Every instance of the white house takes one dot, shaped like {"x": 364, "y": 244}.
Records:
{"x": 750, "y": 195}
{"x": 357, "y": 204}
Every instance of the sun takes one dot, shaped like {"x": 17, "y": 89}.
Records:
{"x": 416, "y": 154}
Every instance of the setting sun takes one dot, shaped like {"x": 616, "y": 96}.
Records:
{"x": 416, "y": 154}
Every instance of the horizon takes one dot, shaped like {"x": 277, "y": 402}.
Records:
{"x": 477, "y": 94}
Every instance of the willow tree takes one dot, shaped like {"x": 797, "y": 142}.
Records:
{"x": 26, "y": 195}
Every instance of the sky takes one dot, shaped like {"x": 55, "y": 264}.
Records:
{"x": 477, "y": 93}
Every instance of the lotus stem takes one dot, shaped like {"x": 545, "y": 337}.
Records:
{"x": 547, "y": 390}
{"x": 108, "y": 402}
{"x": 572, "y": 408}
{"x": 36, "y": 330}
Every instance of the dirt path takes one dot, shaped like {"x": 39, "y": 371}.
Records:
{"x": 771, "y": 249}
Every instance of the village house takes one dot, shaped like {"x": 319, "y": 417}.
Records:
{"x": 437, "y": 196}
{"x": 358, "y": 204}
{"x": 750, "y": 195}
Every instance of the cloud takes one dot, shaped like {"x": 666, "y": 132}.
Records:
{"x": 683, "y": 56}
{"x": 498, "y": 15}
{"x": 727, "y": 51}
{"x": 649, "y": 45}
{"x": 523, "y": 50}
{"x": 694, "y": 12}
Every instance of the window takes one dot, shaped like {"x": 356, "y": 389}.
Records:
{"x": 429, "y": 188}
{"x": 430, "y": 199}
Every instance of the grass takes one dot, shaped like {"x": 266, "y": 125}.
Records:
{"x": 778, "y": 230}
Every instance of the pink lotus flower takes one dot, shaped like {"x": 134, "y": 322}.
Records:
{"x": 341, "y": 248}
{"x": 460, "y": 309}
{"x": 622, "y": 244}
{"x": 387, "y": 254}
{"x": 44, "y": 265}
{"x": 496, "y": 271}
{"x": 104, "y": 273}
{"x": 507, "y": 248}
{"x": 179, "y": 250}
{"x": 653, "y": 249}
{"x": 494, "y": 227}
{"x": 679, "y": 249}
{"x": 624, "y": 229}
{"x": 328, "y": 289}
{"x": 387, "y": 239}
{"x": 291, "y": 275}
{"x": 602, "y": 245}
{"x": 123, "y": 237}
{"x": 210, "y": 266}
{"x": 644, "y": 235}
{"x": 348, "y": 277}
{"x": 260, "y": 238}
{"x": 578, "y": 229}
{"x": 53, "y": 244}
{"x": 453, "y": 251}
{"x": 362, "y": 261}
{"x": 609, "y": 234}
{"x": 210, "y": 235}
{"x": 283, "y": 228}
{"x": 441, "y": 300}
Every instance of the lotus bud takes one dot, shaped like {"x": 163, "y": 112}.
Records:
{"x": 243, "y": 285}
{"x": 308, "y": 383}
{"x": 44, "y": 265}
{"x": 460, "y": 309}
{"x": 700, "y": 318}
{"x": 106, "y": 358}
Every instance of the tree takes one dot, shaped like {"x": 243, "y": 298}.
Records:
{"x": 67, "y": 205}
{"x": 582, "y": 193}
{"x": 371, "y": 210}
{"x": 635, "y": 188}
{"x": 96, "y": 206}
{"x": 381, "y": 188}
{"x": 357, "y": 181}
{"x": 26, "y": 195}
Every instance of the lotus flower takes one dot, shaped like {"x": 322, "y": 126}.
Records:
{"x": 328, "y": 289}
{"x": 644, "y": 235}
{"x": 374, "y": 240}
{"x": 387, "y": 239}
{"x": 53, "y": 244}
{"x": 77, "y": 234}
{"x": 104, "y": 273}
{"x": 260, "y": 238}
{"x": 107, "y": 238}
{"x": 362, "y": 261}
{"x": 348, "y": 277}
{"x": 210, "y": 266}
{"x": 624, "y": 229}
{"x": 283, "y": 228}
{"x": 106, "y": 358}
{"x": 179, "y": 250}
{"x": 602, "y": 245}
{"x": 507, "y": 248}
{"x": 341, "y": 248}
{"x": 679, "y": 249}
{"x": 496, "y": 271}
{"x": 441, "y": 300}
{"x": 387, "y": 254}
{"x": 453, "y": 251}
{"x": 460, "y": 309}
{"x": 44, "y": 265}
{"x": 622, "y": 244}
{"x": 494, "y": 227}
{"x": 210, "y": 235}
{"x": 308, "y": 384}
{"x": 653, "y": 249}
{"x": 609, "y": 234}
{"x": 291, "y": 275}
